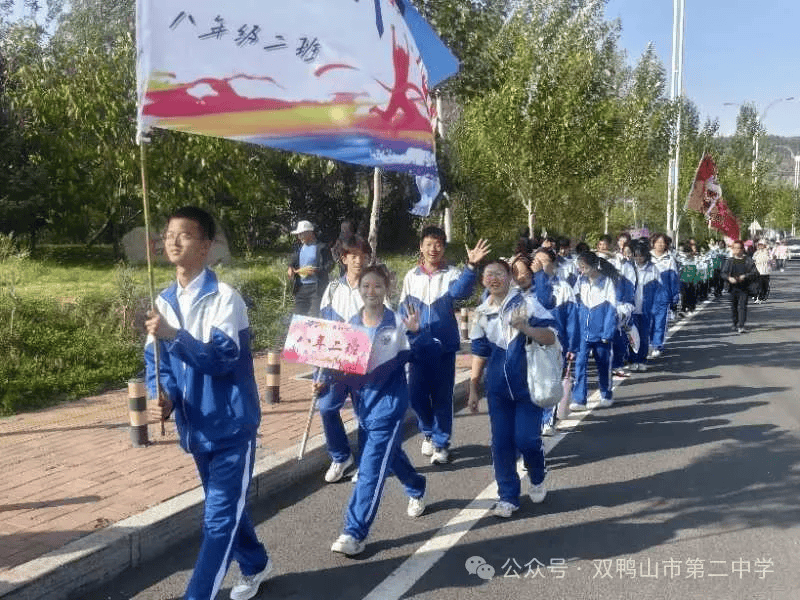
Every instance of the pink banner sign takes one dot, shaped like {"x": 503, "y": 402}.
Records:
{"x": 328, "y": 344}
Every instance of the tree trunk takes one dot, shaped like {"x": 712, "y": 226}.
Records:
{"x": 374, "y": 219}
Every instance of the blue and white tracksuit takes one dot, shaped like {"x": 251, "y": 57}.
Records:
{"x": 207, "y": 371}
{"x": 431, "y": 376}
{"x": 556, "y": 295}
{"x": 340, "y": 302}
{"x": 626, "y": 298}
{"x": 381, "y": 403}
{"x": 597, "y": 314}
{"x": 566, "y": 269}
{"x": 648, "y": 288}
{"x": 514, "y": 418}
{"x": 670, "y": 293}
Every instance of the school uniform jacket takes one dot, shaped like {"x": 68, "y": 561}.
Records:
{"x": 557, "y": 296}
{"x": 382, "y": 393}
{"x": 503, "y": 346}
{"x": 670, "y": 279}
{"x": 647, "y": 289}
{"x": 340, "y": 302}
{"x": 207, "y": 369}
{"x": 626, "y": 287}
{"x": 597, "y": 308}
{"x": 433, "y": 295}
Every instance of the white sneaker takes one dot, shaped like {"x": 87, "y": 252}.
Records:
{"x": 548, "y": 430}
{"x": 441, "y": 456}
{"x": 605, "y": 402}
{"x": 642, "y": 367}
{"x": 504, "y": 509}
{"x": 620, "y": 373}
{"x": 427, "y": 447}
{"x": 336, "y": 471}
{"x": 655, "y": 353}
{"x": 354, "y": 478}
{"x": 348, "y": 545}
{"x": 538, "y": 492}
{"x": 248, "y": 584}
{"x": 416, "y": 506}
{"x": 575, "y": 407}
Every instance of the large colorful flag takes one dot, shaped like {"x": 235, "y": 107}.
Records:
{"x": 349, "y": 80}
{"x": 706, "y": 197}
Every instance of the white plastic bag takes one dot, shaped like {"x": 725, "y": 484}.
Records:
{"x": 634, "y": 341}
{"x": 544, "y": 373}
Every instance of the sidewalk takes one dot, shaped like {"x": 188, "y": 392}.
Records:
{"x": 74, "y": 488}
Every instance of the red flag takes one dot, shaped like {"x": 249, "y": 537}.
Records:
{"x": 722, "y": 219}
{"x": 706, "y": 191}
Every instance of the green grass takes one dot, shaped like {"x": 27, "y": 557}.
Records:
{"x": 70, "y": 318}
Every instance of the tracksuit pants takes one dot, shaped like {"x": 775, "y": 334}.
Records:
{"x": 228, "y": 533}
{"x": 739, "y": 298}
{"x": 515, "y": 430}
{"x": 603, "y": 355}
{"x": 659, "y": 329}
{"x": 330, "y": 405}
{"x": 381, "y": 455}
{"x": 642, "y": 322}
{"x": 430, "y": 389}
{"x": 620, "y": 349}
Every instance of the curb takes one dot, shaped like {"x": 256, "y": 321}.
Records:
{"x": 90, "y": 561}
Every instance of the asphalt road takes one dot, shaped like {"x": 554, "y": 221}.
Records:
{"x": 686, "y": 488}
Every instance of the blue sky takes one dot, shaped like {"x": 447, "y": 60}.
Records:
{"x": 735, "y": 51}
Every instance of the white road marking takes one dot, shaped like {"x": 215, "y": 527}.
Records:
{"x": 407, "y": 574}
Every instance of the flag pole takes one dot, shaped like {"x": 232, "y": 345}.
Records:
{"x": 150, "y": 277}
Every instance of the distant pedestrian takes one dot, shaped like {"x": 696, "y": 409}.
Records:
{"x": 781, "y": 253}
{"x": 308, "y": 269}
{"x": 347, "y": 233}
{"x": 206, "y": 377}
{"x": 763, "y": 262}
{"x": 740, "y": 272}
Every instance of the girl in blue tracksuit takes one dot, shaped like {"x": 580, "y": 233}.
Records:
{"x": 669, "y": 293}
{"x": 504, "y": 322}
{"x": 431, "y": 288}
{"x": 381, "y": 403}
{"x": 557, "y": 296}
{"x": 626, "y": 298}
{"x": 648, "y": 288}
{"x": 596, "y": 293}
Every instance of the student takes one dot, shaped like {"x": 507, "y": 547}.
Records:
{"x": 308, "y": 270}
{"x": 504, "y": 322}
{"x": 596, "y": 294}
{"x": 648, "y": 288}
{"x": 431, "y": 288}
{"x": 557, "y": 296}
{"x": 381, "y": 403}
{"x": 626, "y": 297}
{"x": 763, "y": 262}
{"x": 341, "y": 302}
{"x": 670, "y": 290}
{"x": 206, "y": 377}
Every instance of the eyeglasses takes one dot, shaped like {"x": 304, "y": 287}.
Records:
{"x": 181, "y": 236}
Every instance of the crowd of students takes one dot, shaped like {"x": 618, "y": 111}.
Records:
{"x": 590, "y": 301}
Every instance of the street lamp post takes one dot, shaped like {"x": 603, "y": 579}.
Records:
{"x": 757, "y": 132}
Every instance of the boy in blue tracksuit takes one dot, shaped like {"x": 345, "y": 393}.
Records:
{"x": 505, "y": 320}
{"x": 669, "y": 293}
{"x": 558, "y": 297}
{"x": 381, "y": 403}
{"x": 341, "y": 301}
{"x": 432, "y": 288}
{"x": 596, "y": 294}
{"x": 648, "y": 288}
{"x": 206, "y": 376}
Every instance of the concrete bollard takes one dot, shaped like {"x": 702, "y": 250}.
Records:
{"x": 137, "y": 407}
{"x": 463, "y": 324}
{"x": 272, "y": 395}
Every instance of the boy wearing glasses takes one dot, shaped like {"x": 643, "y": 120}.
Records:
{"x": 206, "y": 378}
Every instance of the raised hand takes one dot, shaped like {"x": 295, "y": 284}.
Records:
{"x": 411, "y": 319}
{"x": 519, "y": 317}
{"x": 479, "y": 252}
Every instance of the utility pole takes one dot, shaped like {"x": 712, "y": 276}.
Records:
{"x": 676, "y": 93}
